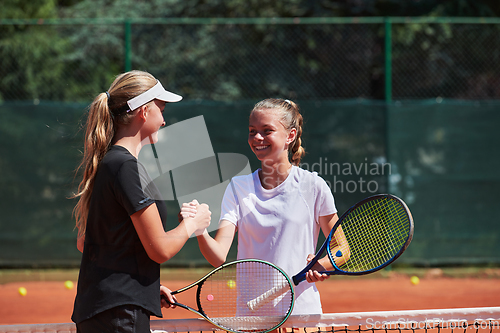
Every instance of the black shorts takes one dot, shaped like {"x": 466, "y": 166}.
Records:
{"x": 122, "y": 319}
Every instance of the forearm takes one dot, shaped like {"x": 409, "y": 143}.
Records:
{"x": 161, "y": 245}
{"x": 176, "y": 238}
{"x": 325, "y": 262}
{"x": 214, "y": 252}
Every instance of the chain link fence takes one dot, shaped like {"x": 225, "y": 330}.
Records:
{"x": 390, "y": 105}
{"x": 230, "y": 60}
{"x": 457, "y": 61}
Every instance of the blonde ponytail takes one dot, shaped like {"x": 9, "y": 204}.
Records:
{"x": 106, "y": 111}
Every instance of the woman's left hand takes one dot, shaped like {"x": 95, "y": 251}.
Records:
{"x": 313, "y": 274}
{"x": 168, "y": 294}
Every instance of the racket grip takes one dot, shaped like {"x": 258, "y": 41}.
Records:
{"x": 267, "y": 297}
{"x": 299, "y": 278}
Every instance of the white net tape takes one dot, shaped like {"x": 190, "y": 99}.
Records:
{"x": 486, "y": 318}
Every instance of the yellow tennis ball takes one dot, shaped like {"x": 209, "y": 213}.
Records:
{"x": 68, "y": 284}
{"x": 414, "y": 280}
{"x": 22, "y": 291}
{"x": 231, "y": 284}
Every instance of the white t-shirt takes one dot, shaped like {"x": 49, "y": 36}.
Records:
{"x": 280, "y": 225}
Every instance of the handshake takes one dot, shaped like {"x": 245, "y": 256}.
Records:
{"x": 196, "y": 215}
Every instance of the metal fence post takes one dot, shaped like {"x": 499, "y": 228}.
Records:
{"x": 388, "y": 91}
{"x": 388, "y": 59}
{"x": 128, "y": 45}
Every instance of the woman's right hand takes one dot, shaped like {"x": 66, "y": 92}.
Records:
{"x": 202, "y": 218}
{"x": 188, "y": 210}
{"x": 200, "y": 213}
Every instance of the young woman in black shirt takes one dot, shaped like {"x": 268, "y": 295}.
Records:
{"x": 120, "y": 225}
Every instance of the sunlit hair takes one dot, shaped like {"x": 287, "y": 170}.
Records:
{"x": 103, "y": 117}
{"x": 290, "y": 118}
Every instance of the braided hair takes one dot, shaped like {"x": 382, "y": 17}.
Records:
{"x": 290, "y": 118}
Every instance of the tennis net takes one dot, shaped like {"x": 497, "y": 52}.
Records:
{"x": 473, "y": 320}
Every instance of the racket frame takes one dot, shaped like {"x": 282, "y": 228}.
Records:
{"x": 299, "y": 277}
{"x": 199, "y": 283}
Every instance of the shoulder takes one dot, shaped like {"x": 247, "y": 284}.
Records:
{"x": 117, "y": 154}
{"x": 245, "y": 179}
{"x": 119, "y": 167}
{"x": 310, "y": 181}
{"x": 242, "y": 185}
{"x": 306, "y": 175}
{"x": 116, "y": 158}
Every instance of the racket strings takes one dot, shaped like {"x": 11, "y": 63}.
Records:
{"x": 382, "y": 224}
{"x": 223, "y": 297}
{"x": 375, "y": 232}
{"x": 390, "y": 236}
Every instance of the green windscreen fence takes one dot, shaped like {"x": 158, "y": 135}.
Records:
{"x": 408, "y": 106}
{"x": 441, "y": 157}
{"x": 445, "y": 161}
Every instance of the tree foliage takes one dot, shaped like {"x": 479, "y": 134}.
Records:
{"x": 283, "y": 8}
{"x": 221, "y": 62}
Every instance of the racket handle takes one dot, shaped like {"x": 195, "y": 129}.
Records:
{"x": 165, "y": 298}
{"x": 177, "y": 304}
{"x": 299, "y": 278}
{"x": 302, "y": 276}
{"x": 267, "y": 297}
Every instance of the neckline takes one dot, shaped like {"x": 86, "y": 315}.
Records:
{"x": 123, "y": 149}
{"x": 279, "y": 186}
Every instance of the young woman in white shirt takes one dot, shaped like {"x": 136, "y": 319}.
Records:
{"x": 279, "y": 209}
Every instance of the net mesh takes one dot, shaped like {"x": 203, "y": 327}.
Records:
{"x": 418, "y": 321}
{"x": 478, "y": 320}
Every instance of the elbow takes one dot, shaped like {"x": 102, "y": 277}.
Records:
{"x": 216, "y": 262}
{"x": 160, "y": 255}
{"x": 159, "y": 258}
{"x": 346, "y": 255}
{"x": 215, "y": 259}
{"x": 347, "y": 250}
{"x": 163, "y": 256}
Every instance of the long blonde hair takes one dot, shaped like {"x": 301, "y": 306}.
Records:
{"x": 290, "y": 118}
{"x": 105, "y": 113}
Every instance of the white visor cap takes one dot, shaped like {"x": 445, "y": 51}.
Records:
{"x": 157, "y": 92}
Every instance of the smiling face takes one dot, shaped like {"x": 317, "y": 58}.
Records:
{"x": 267, "y": 136}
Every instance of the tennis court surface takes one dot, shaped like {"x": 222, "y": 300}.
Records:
{"x": 364, "y": 303}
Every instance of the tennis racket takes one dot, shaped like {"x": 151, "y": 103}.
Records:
{"x": 368, "y": 237}
{"x": 228, "y": 296}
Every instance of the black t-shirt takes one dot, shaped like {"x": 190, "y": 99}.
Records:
{"x": 115, "y": 268}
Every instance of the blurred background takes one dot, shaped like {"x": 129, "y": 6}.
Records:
{"x": 397, "y": 96}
